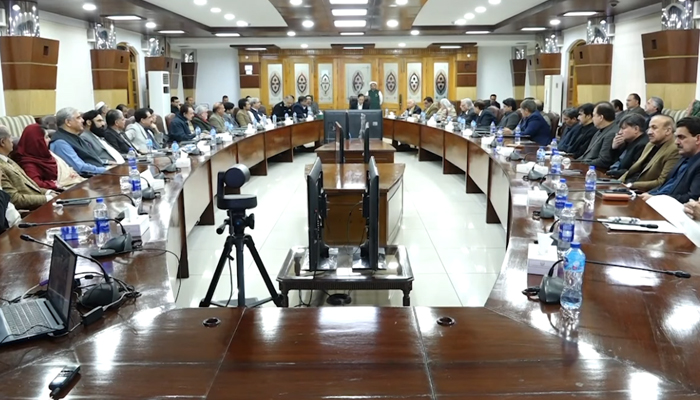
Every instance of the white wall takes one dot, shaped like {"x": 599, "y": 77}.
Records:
{"x": 494, "y": 74}
{"x": 217, "y": 75}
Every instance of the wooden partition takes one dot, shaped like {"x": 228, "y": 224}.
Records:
{"x": 110, "y": 76}
{"x": 189, "y": 79}
{"x": 593, "y": 63}
{"x": 518, "y": 69}
{"x": 168, "y": 64}
{"x": 671, "y": 66}
{"x": 539, "y": 66}
{"x": 29, "y": 68}
{"x": 249, "y": 70}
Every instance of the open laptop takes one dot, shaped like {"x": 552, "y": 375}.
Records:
{"x": 38, "y": 317}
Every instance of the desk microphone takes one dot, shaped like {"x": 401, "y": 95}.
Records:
{"x": 146, "y": 194}
{"x": 115, "y": 245}
{"x": 648, "y": 226}
{"x": 170, "y": 168}
{"x": 548, "y": 210}
{"x": 70, "y": 202}
{"x": 97, "y": 296}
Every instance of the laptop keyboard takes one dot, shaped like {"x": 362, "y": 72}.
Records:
{"x": 21, "y": 317}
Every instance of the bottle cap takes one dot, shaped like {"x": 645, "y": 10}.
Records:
{"x": 100, "y": 200}
{"x": 131, "y": 149}
{"x": 569, "y": 204}
{"x": 575, "y": 245}
{"x": 592, "y": 167}
{"x": 562, "y": 180}
{"x": 542, "y": 148}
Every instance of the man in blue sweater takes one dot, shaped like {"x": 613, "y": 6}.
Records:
{"x": 179, "y": 127}
{"x": 533, "y": 124}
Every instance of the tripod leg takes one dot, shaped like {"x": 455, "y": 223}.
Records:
{"x": 240, "y": 271}
{"x": 276, "y": 297}
{"x": 206, "y": 302}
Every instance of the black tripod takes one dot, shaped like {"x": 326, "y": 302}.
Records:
{"x": 237, "y": 221}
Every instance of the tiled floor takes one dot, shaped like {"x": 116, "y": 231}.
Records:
{"x": 454, "y": 254}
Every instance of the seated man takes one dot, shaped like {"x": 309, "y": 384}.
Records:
{"x": 659, "y": 157}
{"x": 174, "y": 105}
{"x": 360, "y": 103}
{"x": 683, "y": 183}
{"x": 67, "y": 143}
{"x": 94, "y": 133}
{"x": 468, "y": 113}
{"x": 412, "y": 107}
{"x": 533, "y": 124}
{"x": 243, "y": 117}
{"x": 102, "y": 108}
{"x": 430, "y": 107}
{"x": 570, "y": 127}
{"x": 631, "y": 139}
{"x": 228, "y": 113}
{"x": 217, "y": 118}
{"x": 300, "y": 108}
{"x": 619, "y": 109}
{"x": 179, "y": 126}
{"x": 140, "y": 131}
{"x": 282, "y": 108}
{"x": 24, "y": 192}
{"x": 255, "y": 109}
{"x": 9, "y": 216}
{"x": 600, "y": 152}
{"x": 510, "y": 119}
{"x": 312, "y": 105}
{"x": 581, "y": 138}
{"x": 114, "y": 134}
{"x": 654, "y": 107}
{"x": 493, "y": 101}
{"x": 484, "y": 117}
{"x": 200, "y": 119}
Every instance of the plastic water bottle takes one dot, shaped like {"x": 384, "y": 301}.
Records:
{"x": 213, "y": 136}
{"x": 274, "y": 120}
{"x": 517, "y": 135}
{"x": 555, "y": 167}
{"x": 562, "y": 194}
{"x": 574, "y": 266}
{"x": 131, "y": 157}
{"x": 101, "y": 223}
{"x": 540, "y": 156}
{"x": 197, "y": 132}
{"x": 135, "y": 178}
{"x": 422, "y": 116}
{"x": 295, "y": 118}
{"x": 176, "y": 150}
{"x": 591, "y": 178}
{"x": 492, "y": 129}
{"x": 473, "y": 125}
{"x": 567, "y": 223}
{"x": 499, "y": 139}
{"x": 149, "y": 150}
{"x": 286, "y": 116}
{"x": 553, "y": 145}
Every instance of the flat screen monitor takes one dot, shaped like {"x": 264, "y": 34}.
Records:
{"x": 373, "y": 118}
{"x": 316, "y": 209}
{"x": 330, "y": 119}
{"x": 370, "y": 210}
{"x": 340, "y": 144}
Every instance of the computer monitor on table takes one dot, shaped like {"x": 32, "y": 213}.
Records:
{"x": 316, "y": 209}
{"x": 374, "y": 123}
{"x": 330, "y": 119}
{"x": 370, "y": 211}
{"x": 340, "y": 144}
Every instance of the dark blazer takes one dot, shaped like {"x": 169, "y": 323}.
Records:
{"x": 688, "y": 188}
{"x": 300, "y": 110}
{"x": 600, "y": 152}
{"x": 280, "y": 109}
{"x": 116, "y": 140}
{"x": 180, "y": 130}
{"x": 416, "y": 110}
{"x": 353, "y": 104}
{"x": 510, "y": 120}
{"x": 537, "y": 129}
{"x": 582, "y": 140}
{"x": 485, "y": 119}
{"x": 468, "y": 116}
{"x": 630, "y": 154}
{"x": 256, "y": 114}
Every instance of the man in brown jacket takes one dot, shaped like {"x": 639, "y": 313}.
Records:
{"x": 659, "y": 157}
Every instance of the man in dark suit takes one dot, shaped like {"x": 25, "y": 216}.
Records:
{"x": 533, "y": 125}
{"x": 631, "y": 139}
{"x": 510, "y": 119}
{"x": 582, "y": 137}
{"x": 683, "y": 184}
{"x": 300, "y": 109}
{"x": 600, "y": 152}
{"x": 114, "y": 134}
{"x": 360, "y": 103}
{"x": 569, "y": 128}
{"x": 468, "y": 113}
{"x": 283, "y": 107}
{"x": 493, "y": 101}
{"x": 654, "y": 107}
{"x": 484, "y": 117}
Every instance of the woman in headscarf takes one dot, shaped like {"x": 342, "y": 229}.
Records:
{"x": 45, "y": 168}
{"x": 446, "y": 110}
{"x": 694, "y": 109}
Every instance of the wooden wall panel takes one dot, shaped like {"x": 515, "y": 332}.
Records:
{"x": 250, "y": 81}
{"x": 189, "y": 75}
{"x": 518, "y": 69}
{"x": 29, "y": 76}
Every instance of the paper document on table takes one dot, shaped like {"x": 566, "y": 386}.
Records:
{"x": 672, "y": 210}
{"x": 663, "y": 226}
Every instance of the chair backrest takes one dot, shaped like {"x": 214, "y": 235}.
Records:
{"x": 496, "y": 113}
{"x": 677, "y": 115}
{"x": 17, "y": 124}
{"x": 159, "y": 123}
{"x": 168, "y": 119}
{"x": 457, "y": 104}
{"x": 130, "y": 113}
{"x": 49, "y": 122}
{"x": 554, "y": 118}
{"x": 130, "y": 121}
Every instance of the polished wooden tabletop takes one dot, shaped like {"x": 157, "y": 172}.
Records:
{"x": 338, "y": 178}
{"x": 375, "y": 145}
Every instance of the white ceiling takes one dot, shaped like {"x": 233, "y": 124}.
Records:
{"x": 257, "y": 13}
{"x": 445, "y": 12}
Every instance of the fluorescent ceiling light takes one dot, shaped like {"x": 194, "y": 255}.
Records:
{"x": 241, "y": 23}
{"x": 415, "y": 32}
{"x": 16, "y": 7}
{"x": 172, "y": 32}
{"x": 200, "y": 2}
{"x": 349, "y": 12}
{"x": 351, "y": 33}
{"x": 477, "y": 32}
{"x": 256, "y": 49}
{"x": 124, "y": 17}
{"x": 401, "y": 2}
{"x": 580, "y": 13}
{"x": 555, "y": 22}
{"x": 87, "y": 7}
{"x": 215, "y": 10}
{"x": 231, "y": 34}
{"x": 392, "y": 23}
{"x": 349, "y": 2}
{"x": 295, "y": 2}
{"x": 460, "y": 21}
{"x": 350, "y": 23}
{"x": 469, "y": 16}
{"x": 291, "y": 33}
{"x": 229, "y": 17}
{"x": 304, "y": 45}
{"x": 480, "y": 9}
{"x": 308, "y": 23}
{"x": 450, "y": 47}
{"x": 533, "y": 29}
{"x": 150, "y": 25}
{"x": 353, "y": 48}
{"x": 494, "y": 2}
{"x": 402, "y": 44}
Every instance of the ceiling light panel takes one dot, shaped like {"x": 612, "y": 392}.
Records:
{"x": 350, "y": 23}
{"x": 349, "y": 12}
{"x": 348, "y": 2}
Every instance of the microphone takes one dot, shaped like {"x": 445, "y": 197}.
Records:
{"x": 99, "y": 295}
{"x": 81, "y": 199}
{"x": 115, "y": 245}
{"x": 146, "y": 194}
{"x": 548, "y": 211}
{"x": 648, "y": 226}
{"x": 170, "y": 168}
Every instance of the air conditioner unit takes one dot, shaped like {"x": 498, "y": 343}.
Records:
{"x": 553, "y": 93}
{"x": 159, "y": 92}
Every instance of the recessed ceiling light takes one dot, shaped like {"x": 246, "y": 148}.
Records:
{"x": 351, "y": 33}
{"x": 229, "y": 34}
{"x": 402, "y": 44}
{"x": 401, "y": 2}
{"x": 392, "y": 23}
{"x": 350, "y": 23}
{"x": 494, "y": 2}
{"x": 450, "y": 47}
{"x": 86, "y": 7}
{"x": 461, "y": 21}
{"x": 172, "y": 32}
{"x": 229, "y": 17}
{"x": 349, "y": 12}
{"x": 256, "y": 49}
{"x": 477, "y": 32}
{"x": 304, "y": 45}
{"x": 291, "y": 33}
{"x": 215, "y": 10}
{"x": 349, "y": 2}
{"x": 469, "y": 16}
{"x": 415, "y": 32}
{"x": 241, "y": 23}
{"x": 353, "y": 48}
{"x": 150, "y": 25}
{"x": 124, "y": 17}
{"x": 555, "y": 22}
{"x": 533, "y": 29}
{"x": 308, "y": 23}
{"x": 580, "y": 13}
{"x": 16, "y": 7}
{"x": 480, "y": 9}
{"x": 295, "y": 2}
{"x": 200, "y": 2}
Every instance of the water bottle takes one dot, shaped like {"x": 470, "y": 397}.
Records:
{"x": 555, "y": 168}
{"x": 492, "y": 129}
{"x": 197, "y": 133}
{"x": 473, "y": 124}
{"x": 213, "y": 136}
{"x": 591, "y": 178}
{"x": 422, "y": 116}
{"x": 101, "y": 223}
{"x": 574, "y": 266}
{"x": 176, "y": 150}
{"x": 566, "y": 228}
{"x": 295, "y": 118}
{"x": 517, "y": 135}
{"x": 562, "y": 194}
{"x": 499, "y": 139}
{"x": 286, "y": 116}
{"x": 553, "y": 145}
{"x": 135, "y": 178}
{"x": 149, "y": 150}
{"x": 540, "y": 156}
{"x": 131, "y": 157}
{"x": 274, "y": 120}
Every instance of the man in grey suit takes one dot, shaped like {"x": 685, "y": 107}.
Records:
{"x": 94, "y": 133}
{"x": 600, "y": 152}
{"x": 510, "y": 119}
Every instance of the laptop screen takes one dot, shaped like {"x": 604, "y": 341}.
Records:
{"x": 61, "y": 275}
